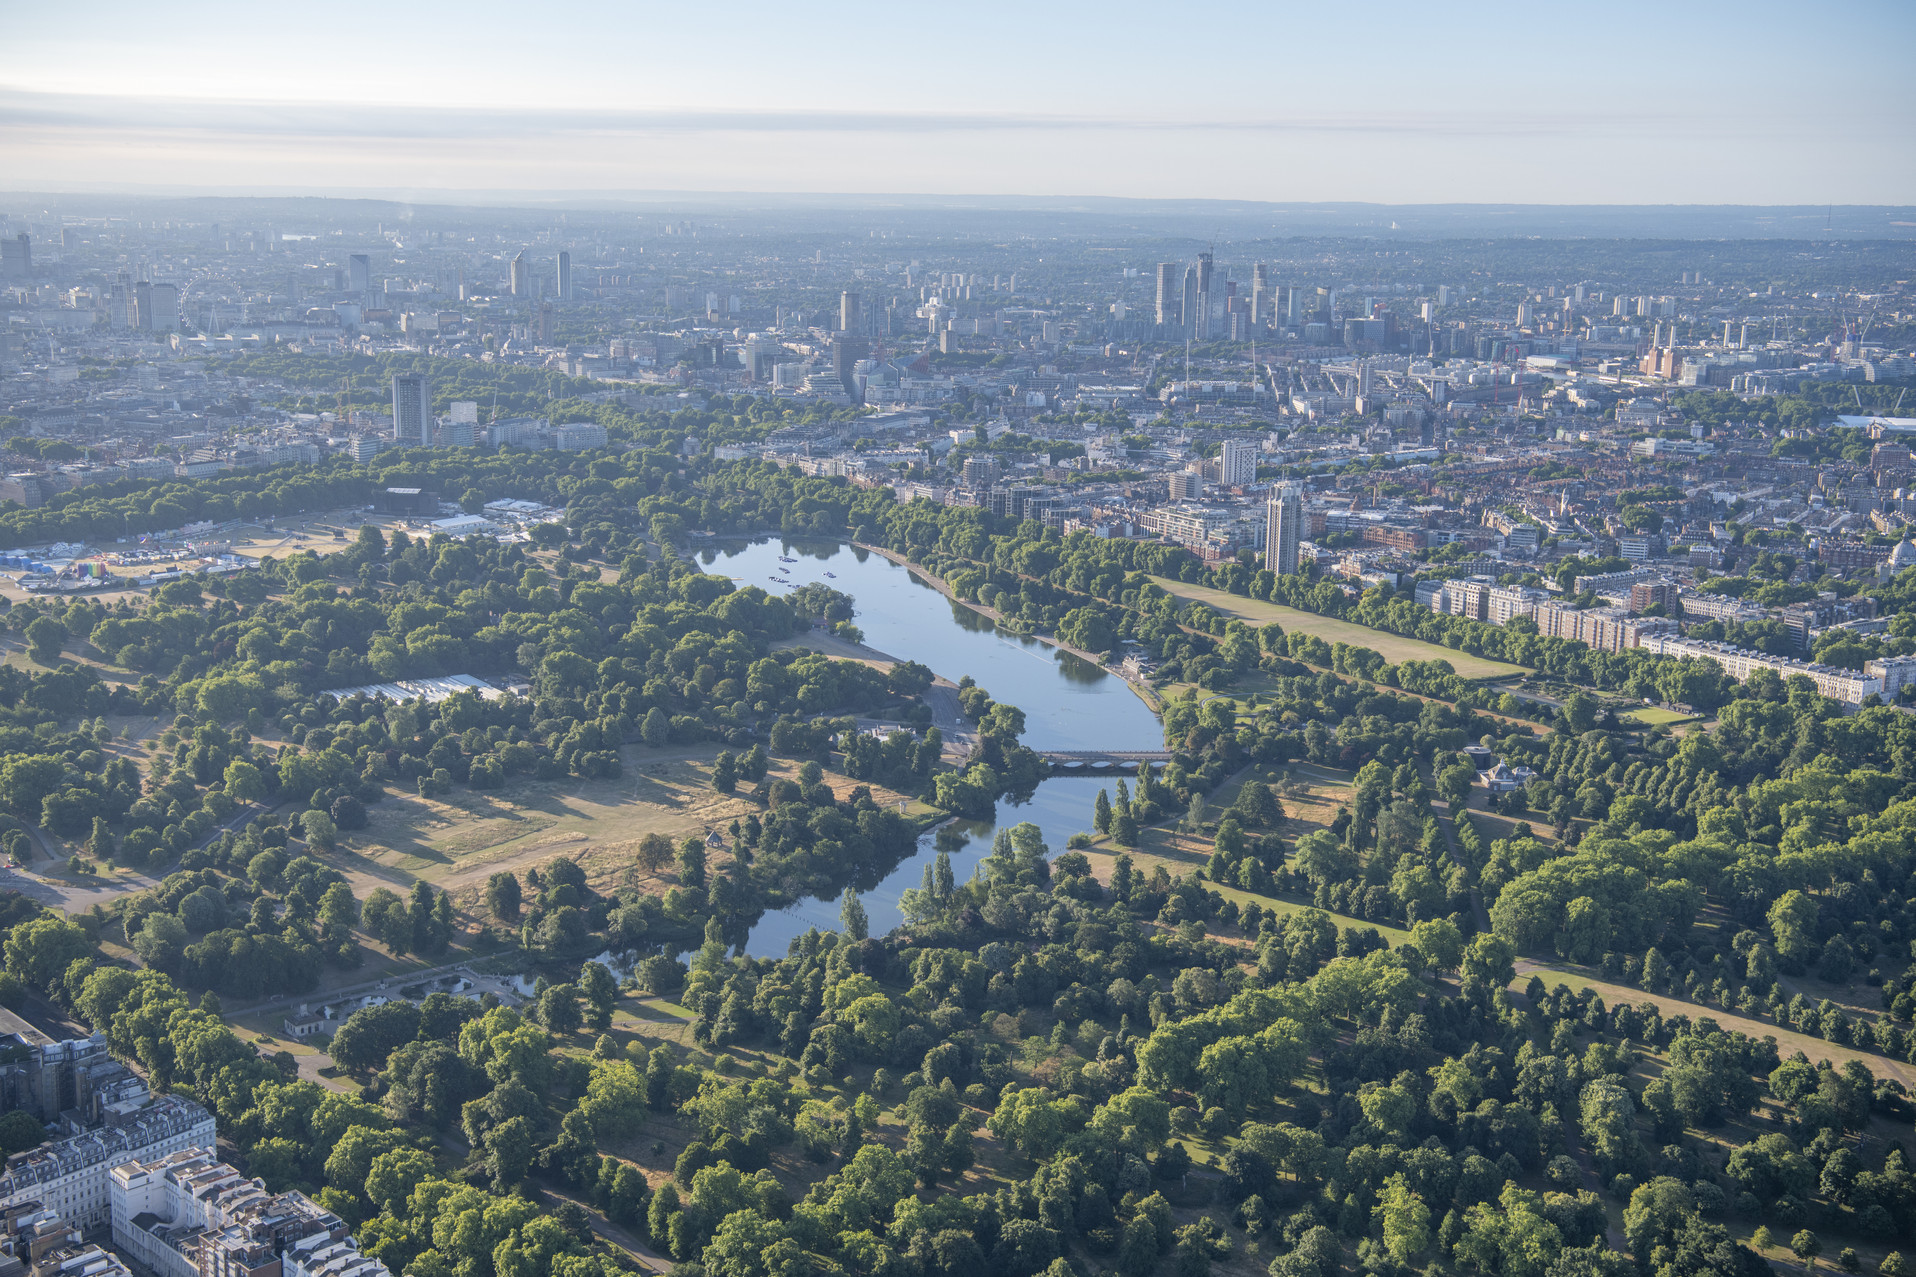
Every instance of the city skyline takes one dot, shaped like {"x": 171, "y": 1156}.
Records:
{"x": 1516, "y": 106}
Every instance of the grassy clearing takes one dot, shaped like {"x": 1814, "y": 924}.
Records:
{"x": 457, "y": 842}
{"x": 1787, "y": 1039}
{"x": 1657, "y": 716}
{"x": 1332, "y": 630}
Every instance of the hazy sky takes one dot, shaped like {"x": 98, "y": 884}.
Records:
{"x": 1629, "y": 102}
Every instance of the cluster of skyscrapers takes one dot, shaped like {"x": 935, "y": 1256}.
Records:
{"x": 1192, "y": 303}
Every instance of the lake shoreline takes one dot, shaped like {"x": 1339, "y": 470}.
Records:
{"x": 1072, "y": 702}
{"x": 997, "y": 618}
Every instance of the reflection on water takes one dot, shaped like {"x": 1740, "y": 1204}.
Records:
{"x": 1069, "y": 703}
{"x": 1060, "y": 807}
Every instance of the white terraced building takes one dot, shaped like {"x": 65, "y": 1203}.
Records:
{"x": 71, "y": 1176}
{"x": 190, "y": 1215}
{"x": 1848, "y": 686}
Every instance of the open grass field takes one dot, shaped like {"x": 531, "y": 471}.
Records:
{"x": 1657, "y": 716}
{"x": 1787, "y": 1039}
{"x": 458, "y": 842}
{"x": 1332, "y": 630}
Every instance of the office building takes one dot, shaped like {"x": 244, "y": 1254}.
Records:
{"x": 1237, "y": 463}
{"x": 759, "y": 355}
{"x": 140, "y": 314}
{"x": 846, "y": 352}
{"x": 1645, "y": 595}
{"x": 578, "y": 436}
{"x": 545, "y": 323}
{"x": 1167, "y": 292}
{"x": 518, "y": 432}
{"x": 565, "y": 276}
{"x": 1204, "y": 268}
{"x": 163, "y": 300}
{"x": 979, "y": 472}
{"x": 1260, "y": 295}
{"x": 850, "y": 313}
{"x": 520, "y": 281}
{"x": 1215, "y": 531}
{"x": 359, "y": 273}
{"x": 412, "y": 409}
{"x": 16, "y": 258}
{"x": 1187, "y": 307}
{"x": 1283, "y": 529}
{"x": 190, "y": 1215}
{"x": 1186, "y": 485}
{"x": 1504, "y": 603}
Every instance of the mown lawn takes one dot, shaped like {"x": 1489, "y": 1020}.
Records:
{"x": 1393, "y": 648}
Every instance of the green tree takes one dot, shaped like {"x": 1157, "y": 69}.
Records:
{"x": 851, "y": 914}
{"x": 321, "y": 832}
{"x": 1490, "y": 958}
{"x": 1405, "y": 1220}
{"x": 655, "y": 729}
{"x": 45, "y": 637}
{"x": 600, "y": 992}
{"x": 1609, "y": 1121}
{"x": 393, "y": 1176}
{"x": 1454, "y": 782}
{"x": 1793, "y": 925}
{"x": 41, "y": 949}
{"x": 19, "y": 1131}
{"x": 244, "y": 782}
{"x": 1657, "y": 1212}
{"x": 559, "y": 1008}
{"x": 509, "y": 1148}
{"x": 350, "y": 1158}
{"x": 160, "y": 941}
{"x": 504, "y": 897}
{"x": 1579, "y": 713}
{"x": 692, "y": 862}
{"x": 1138, "y": 1248}
{"x": 1440, "y": 942}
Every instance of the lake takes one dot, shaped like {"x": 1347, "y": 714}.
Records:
{"x": 1068, "y": 703}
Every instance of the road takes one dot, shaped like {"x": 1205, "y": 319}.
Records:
{"x": 77, "y": 895}
{"x": 942, "y": 699}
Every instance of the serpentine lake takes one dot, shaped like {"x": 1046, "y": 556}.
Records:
{"x": 1068, "y": 703}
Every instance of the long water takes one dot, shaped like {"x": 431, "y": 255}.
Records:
{"x": 1068, "y": 703}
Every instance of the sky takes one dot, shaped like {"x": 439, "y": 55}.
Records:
{"x": 1631, "y": 102}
